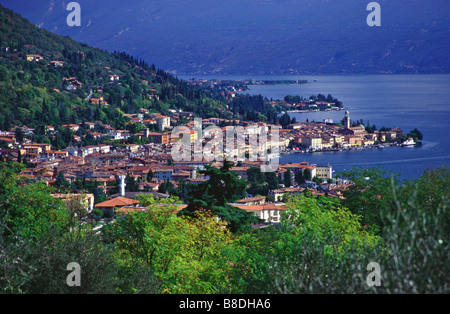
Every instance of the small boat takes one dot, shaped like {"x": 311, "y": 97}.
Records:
{"x": 409, "y": 142}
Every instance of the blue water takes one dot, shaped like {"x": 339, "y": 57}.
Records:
{"x": 404, "y": 101}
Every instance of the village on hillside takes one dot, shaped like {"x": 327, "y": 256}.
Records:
{"x": 151, "y": 166}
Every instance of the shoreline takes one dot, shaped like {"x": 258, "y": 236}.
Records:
{"x": 342, "y": 149}
{"x": 317, "y": 110}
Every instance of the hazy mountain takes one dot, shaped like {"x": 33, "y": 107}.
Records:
{"x": 259, "y": 36}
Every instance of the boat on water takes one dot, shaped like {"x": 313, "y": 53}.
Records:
{"x": 409, "y": 142}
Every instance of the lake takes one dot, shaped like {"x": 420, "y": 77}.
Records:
{"x": 404, "y": 101}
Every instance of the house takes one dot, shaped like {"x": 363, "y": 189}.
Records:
{"x": 148, "y": 186}
{"x": 114, "y": 78}
{"x": 312, "y": 142}
{"x": 102, "y": 148}
{"x": 389, "y": 134}
{"x": 398, "y": 132}
{"x": 269, "y": 212}
{"x": 278, "y": 194}
{"x": 73, "y": 83}
{"x": 324, "y": 172}
{"x": 256, "y": 200}
{"x": 95, "y": 135}
{"x": 57, "y": 154}
{"x": 26, "y": 130}
{"x": 97, "y": 100}
{"x": 72, "y": 127}
{"x": 147, "y": 122}
{"x": 9, "y": 142}
{"x": 90, "y": 125}
{"x": 163, "y": 174}
{"x": 196, "y": 164}
{"x": 111, "y": 205}
{"x": 162, "y": 121}
{"x": 36, "y": 58}
{"x": 34, "y": 149}
{"x": 353, "y": 140}
{"x": 158, "y": 138}
{"x": 57, "y": 64}
{"x": 181, "y": 175}
{"x": 140, "y": 171}
{"x": 299, "y": 167}
{"x": 119, "y": 134}
{"x": 50, "y": 128}
{"x": 359, "y": 130}
{"x": 241, "y": 172}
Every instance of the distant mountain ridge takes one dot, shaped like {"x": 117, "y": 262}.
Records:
{"x": 259, "y": 36}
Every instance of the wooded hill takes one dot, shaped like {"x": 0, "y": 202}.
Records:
{"x": 47, "y": 79}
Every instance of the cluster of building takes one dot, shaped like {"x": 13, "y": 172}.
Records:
{"x": 150, "y": 165}
{"x": 316, "y": 136}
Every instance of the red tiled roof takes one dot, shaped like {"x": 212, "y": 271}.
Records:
{"x": 267, "y": 206}
{"x": 118, "y": 202}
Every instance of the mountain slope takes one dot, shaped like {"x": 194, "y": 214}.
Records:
{"x": 47, "y": 79}
{"x": 260, "y": 36}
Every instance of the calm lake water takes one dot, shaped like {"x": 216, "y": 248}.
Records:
{"x": 404, "y": 101}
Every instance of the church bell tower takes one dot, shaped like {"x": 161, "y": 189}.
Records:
{"x": 347, "y": 120}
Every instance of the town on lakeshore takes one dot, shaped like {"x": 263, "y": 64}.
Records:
{"x": 121, "y": 136}
{"x": 122, "y": 171}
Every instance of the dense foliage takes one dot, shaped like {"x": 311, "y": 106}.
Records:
{"x": 323, "y": 245}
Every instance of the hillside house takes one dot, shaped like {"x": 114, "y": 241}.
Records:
{"x": 111, "y": 205}
{"x": 268, "y": 213}
{"x": 35, "y": 58}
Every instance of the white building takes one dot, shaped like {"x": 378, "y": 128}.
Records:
{"x": 312, "y": 142}
{"x": 324, "y": 172}
{"x": 163, "y": 122}
{"x": 118, "y": 134}
{"x": 87, "y": 150}
{"x": 268, "y": 212}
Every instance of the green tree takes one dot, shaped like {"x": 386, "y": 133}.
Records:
{"x": 272, "y": 180}
{"x": 299, "y": 178}
{"x": 223, "y": 187}
{"x": 39, "y": 266}
{"x": 183, "y": 252}
{"x": 307, "y": 174}
{"x": 370, "y": 195}
{"x": 132, "y": 184}
{"x": 416, "y": 134}
{"x": 29, "y": 210}
{"x": 327, "y": 220}
{"x": 258, "y": 181}
{"x": 61, "y": 182}
{"x": 287, "y": 178}
{"x": 19, "y": 135}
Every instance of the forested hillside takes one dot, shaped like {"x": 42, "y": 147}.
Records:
{"x": 46, "y": 79}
